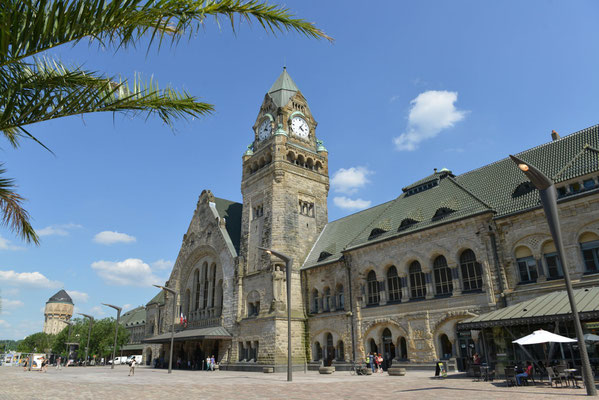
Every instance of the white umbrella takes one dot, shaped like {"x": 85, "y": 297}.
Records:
{"x": 542, "y": 336}
{"x": 589, "y": 337}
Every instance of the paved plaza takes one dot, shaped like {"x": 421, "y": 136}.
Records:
{"x": 104, "y": 383}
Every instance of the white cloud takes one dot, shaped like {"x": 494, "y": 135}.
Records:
{"x": 98, "y": 310}
{"x": 349, "y": 180}
{"x": 7, "y": 325}
{"x": 57, "y": 230}
{"x": 8, "y": 304}
{"x": 127, "y": 307}
{"x": 78, "y": 297}
{"x": 163, "y": 264}
{"x": 28, "y": 279}
{"x": 351, "y": 204}
{"x": 5, "y": 244}
{"x": 130, "y": 272}
{"x": 110, "y": 237}
{"x": 431, "y": 112}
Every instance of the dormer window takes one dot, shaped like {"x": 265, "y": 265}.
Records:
{"x": 324, "y": 255}
{"x": 406, "y": 223}
{"x": 376, "y": 232}
{"x": 522, "y": 189}
{"x": 442, "y": 213}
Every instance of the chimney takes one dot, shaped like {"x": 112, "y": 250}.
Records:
{"x": 555, "y": 135}
{"x": 435, "y": 169}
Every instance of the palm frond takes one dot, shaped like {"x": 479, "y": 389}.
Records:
{"x": 28, "y": 27}
{"x": 47, "y": 89}
{"x": 13, "y": 214}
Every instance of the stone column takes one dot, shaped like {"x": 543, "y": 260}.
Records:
{"x": 405, "y": 292}
{"x": 540, "y": 270}
{"x": 430, "y": 291}
{"x": 382, "y": 293}
{"x": 455, "y": 278}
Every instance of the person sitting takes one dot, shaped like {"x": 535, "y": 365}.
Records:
{"x": 526, "y": 374}
{"x": 476, "y": 359}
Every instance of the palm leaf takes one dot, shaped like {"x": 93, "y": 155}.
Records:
{"x": 13, "y": 214}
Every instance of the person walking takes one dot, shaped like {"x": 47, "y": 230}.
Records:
{"x": 25, "y": 364}
{"x": 212, "y": 363}
{"x": 371, "y": 361}
{"x": 59, "y": 363}
{"x": 207, "y": 363}
{"x": 132, "y": 367}
{"x": 379, "y": 363}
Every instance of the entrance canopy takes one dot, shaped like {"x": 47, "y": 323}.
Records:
{"x": 542, "y": 336}
{"x": 548, "y": 308}
{"x": 215, "y": 332}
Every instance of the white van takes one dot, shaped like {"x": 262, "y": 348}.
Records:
{"x": 137, "y": 359}
{"x": 118, "y": 360}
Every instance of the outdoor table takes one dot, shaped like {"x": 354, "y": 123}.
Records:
{"x": 572, "y": 376}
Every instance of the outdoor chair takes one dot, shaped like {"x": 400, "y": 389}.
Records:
{"x": 510, "y": 376}
{"x": 554, "y": 377}
{"x": 559, "y": 370}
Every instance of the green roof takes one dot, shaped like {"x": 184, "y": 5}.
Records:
{"x": 550, "y": 307}
{"x": 60, "y": 297}
{"x": 158, "y": 299}
{"x": 137, "y": 316}
{"x": 231, "y": 212}
{"x": 283, "y": 89}
{"x": 499, "y": 188}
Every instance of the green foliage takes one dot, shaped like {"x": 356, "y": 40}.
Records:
{"x": 36, "y": 343}
{"x": 8, "y": 345}
{"x": 101, "y": 337}
{"x": 36, "y": 87}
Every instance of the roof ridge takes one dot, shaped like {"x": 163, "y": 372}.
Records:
{"x": 475, "y": 197}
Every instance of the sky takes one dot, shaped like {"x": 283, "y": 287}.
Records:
{"x": 407, "y": 86}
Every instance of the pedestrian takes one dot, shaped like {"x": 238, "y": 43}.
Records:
{"x": 371, "y": 361}
{"x": 380, "y": 363}
{"x": 212, "y": 363}
{"x": 25, "y": 364}
{"x": 58, "y": 363}
{"x": 178, "y": 362}
{"x": 207, "y": 363}
{"x": 44, "y": 368}
{"x": 132, "y": 367}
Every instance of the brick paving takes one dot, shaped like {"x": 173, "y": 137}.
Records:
{"x": 104, "y": 383}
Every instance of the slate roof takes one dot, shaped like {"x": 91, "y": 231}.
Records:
{"x": 283, "y": 89}
{"x": 554, "y": 306}
{"x": 231, "y": 212}
{"x": 137, "y": 316}
{"x": 216, "y": 332}
{"x": 158, "y": 299}
{"x": 60, "y": 297}
{"x": 499, "y": 188}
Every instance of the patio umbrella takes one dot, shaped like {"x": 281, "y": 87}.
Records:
{"x": 589, "y": 337}
{"x": 542, "y": 336}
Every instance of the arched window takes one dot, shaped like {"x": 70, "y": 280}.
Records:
{"x": 330, "y": 349}
{"x": 340, "y": 351}
{"x": 417, "y": 281}
{"x": 403, "y": 349}
{"x": 205, "y": 291}
{"x": 472, "y": 277}
{"x": 373, "y": 289}
{"x": 187, "y": 302}
{"x": 212, "y": 304}
{"x": 552, "y": 261}
{"x": 314, "y": 301}
{"x": 393, "y": 284}
{"x": 589, "y": 245}
{"x": 527, "y": 265}
{"x": 443, "y": 282}
{"x": 253, "y": 303}
{"x": 196, "y": 280}
{"x": 317, "y": 351}
{"x": 326, "y": 302}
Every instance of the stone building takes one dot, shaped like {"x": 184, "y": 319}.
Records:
{"x": 394, "y": 279}
{"x": 134, "y": 321}
{"x": 58, "y": 310}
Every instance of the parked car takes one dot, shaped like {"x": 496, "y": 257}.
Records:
{"x": 118, "y": 360}
{"x": 137, "y": 359}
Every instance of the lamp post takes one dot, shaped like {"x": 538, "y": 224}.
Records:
{"x": 116, "y": 329}
{"x": 288, "y": 263}
{"x": 548, "y": 196}
{"x": 89, "y": 332}
{"x": 174, "y": 293}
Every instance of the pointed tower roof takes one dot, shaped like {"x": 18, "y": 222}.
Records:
{"x": 61, "y": 297}
{"x": 283, "y": 89}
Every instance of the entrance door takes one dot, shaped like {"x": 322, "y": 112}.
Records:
{"x": 446, "y": 347}
{"x": 388, "y": 349}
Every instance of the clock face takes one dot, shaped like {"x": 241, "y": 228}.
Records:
{"x": 300, "y": 127}
{"x": 264, "y": 130}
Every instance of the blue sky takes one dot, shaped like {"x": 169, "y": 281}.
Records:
{"x": 407, "y": 87}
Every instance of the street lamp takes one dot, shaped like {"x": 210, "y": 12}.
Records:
{"x": 288, "y": 263}
{"x": 89, "y": 332}
{"x": 548, "y": 196}
{"x": 174, "y": 293}
{"x": 116, "y": 329}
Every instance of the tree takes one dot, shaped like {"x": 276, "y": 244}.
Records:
{"x": 36, "y": 87}
{"x": 101, "y": 339}
{"x": 38, "y": 342}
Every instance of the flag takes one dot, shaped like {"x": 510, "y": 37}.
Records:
{"x": 181, "y": 320}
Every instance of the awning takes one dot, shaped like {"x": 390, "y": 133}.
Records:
{"x": 128, "y": 347}
{"x": 548, "y": 308}
{"x": 215, "y": 332}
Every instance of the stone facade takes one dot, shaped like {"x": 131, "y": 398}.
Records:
{"x": 58, "y": 310}
{"x": 400, "y": 294}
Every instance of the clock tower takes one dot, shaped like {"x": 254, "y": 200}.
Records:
{"x": 285, "y": 185}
